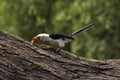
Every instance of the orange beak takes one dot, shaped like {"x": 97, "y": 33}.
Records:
{"x": 34, "y": 39}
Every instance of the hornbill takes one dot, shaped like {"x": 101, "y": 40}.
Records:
{"x": 61, "y": 39}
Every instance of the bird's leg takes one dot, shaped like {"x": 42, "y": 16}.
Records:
{"x": 58, "y": 49}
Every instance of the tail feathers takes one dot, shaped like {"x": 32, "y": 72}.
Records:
{"x": 81, "y": 29}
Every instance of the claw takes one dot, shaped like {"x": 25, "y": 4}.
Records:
{"x": 58, "y": 49}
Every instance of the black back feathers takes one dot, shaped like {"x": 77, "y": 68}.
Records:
{"x": 60, "y": 36}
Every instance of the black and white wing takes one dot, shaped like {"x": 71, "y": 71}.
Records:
{"x": 56, "y": 36}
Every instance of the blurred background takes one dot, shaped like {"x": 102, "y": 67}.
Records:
{"x": 27, "y": 18}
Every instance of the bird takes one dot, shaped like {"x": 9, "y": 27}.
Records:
{"x": 59, "y": 38}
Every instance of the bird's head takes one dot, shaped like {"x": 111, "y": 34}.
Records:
{"x": 34, "y": 39}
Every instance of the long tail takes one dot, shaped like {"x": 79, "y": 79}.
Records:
{"x": 81, "y": 29}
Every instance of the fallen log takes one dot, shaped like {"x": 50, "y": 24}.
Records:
{"x": 19, "y": 60}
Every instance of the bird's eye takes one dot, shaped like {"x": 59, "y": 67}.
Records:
{"x": 38, "y": 37}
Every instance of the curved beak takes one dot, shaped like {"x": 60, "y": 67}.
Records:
{"x": 34, "y": 39}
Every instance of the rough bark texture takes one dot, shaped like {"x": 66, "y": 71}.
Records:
{"x": 21, "y": 61}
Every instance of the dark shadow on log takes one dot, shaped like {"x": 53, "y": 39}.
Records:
{"x": 21, "y": 61}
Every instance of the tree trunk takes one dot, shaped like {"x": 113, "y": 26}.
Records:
{"x": 21, "y": 61}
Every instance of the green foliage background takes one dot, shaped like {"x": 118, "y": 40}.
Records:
{"x": 27, "y": 18}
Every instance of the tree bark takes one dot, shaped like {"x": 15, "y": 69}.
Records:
{"x": 21, "y": 61}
